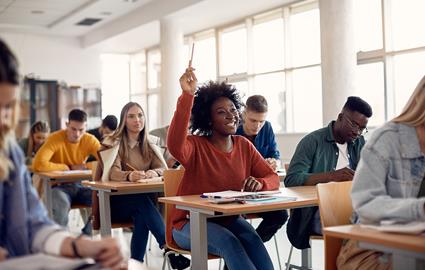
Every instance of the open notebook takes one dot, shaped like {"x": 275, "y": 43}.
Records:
{"x": 415, "y": 227}
{"x": 151, "y": 180}
{"x": 230, "y": 196}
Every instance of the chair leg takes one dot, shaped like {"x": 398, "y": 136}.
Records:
{"x": 150, "y": 241}
{"x": 277, "y": 251}
{"x": 219, "y": 264}
{"x": 288, "y": 263}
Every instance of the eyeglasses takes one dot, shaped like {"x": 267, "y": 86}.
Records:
{"x": 355, "y": 126}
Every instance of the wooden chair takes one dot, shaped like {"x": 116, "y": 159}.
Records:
{"x": 335, "y": 209}
{"x": 172, "y": 179}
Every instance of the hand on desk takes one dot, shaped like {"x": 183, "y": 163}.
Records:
{"x": 78, "y": 167}
{"x": 344, "y": 174}
{"x": 134, "y": 176}
{"x": 251, "y": 184}
{"x": 105, "y": 251}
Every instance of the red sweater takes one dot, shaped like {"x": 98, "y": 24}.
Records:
{"x": 208, "y": 169}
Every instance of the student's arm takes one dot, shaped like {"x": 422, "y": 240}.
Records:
{"x": 177, "y": 140}
{"x": 370, "y": 196}
{"x": 261, "y": 170}
{"x": 117, "y": 173}
{"x": 43, "y": 156}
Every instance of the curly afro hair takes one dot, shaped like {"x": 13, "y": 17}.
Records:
{"x": 205, "y": 96}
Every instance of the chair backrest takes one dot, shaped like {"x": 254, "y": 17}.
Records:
{"x": 172, "y": 179}
{"x": 335, "y": 203}
{"x": 335, "y": 209}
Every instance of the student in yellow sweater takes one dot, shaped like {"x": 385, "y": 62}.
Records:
{"x": 68, "y": 149}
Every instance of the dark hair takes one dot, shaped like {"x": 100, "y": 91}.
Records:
{"x": 257, "y": 103}
{"x": 77, "y": 115}
{"x": 205, "y": 96}
{"x": 357, "y": 104}
{"x": 8, "y": 65}
{"x": 110, "y": 121}
{"x": 39, "y": 126}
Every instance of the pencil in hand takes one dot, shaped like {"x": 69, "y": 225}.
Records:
{"x": 191, "y": 55}
{"x": 130, "y": 167}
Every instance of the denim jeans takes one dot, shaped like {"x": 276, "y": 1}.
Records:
{"x": 140, "y": 209}
{"x": 237, "y": 243}
{"x": 66, "y": 194}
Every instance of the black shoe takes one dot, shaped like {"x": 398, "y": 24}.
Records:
{"x": 87, "y": 229}
{"x": 225, "y": 267}
{"x": 179, "y": 262}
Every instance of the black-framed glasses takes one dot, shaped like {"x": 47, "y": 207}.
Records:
{"x": 355, "y": 126}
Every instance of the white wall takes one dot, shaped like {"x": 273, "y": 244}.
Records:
{"x": 56, "y": 58}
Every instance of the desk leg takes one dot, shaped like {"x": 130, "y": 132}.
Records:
{"x": 48, "y": 196}
{"x": 105, "y": 213}
{"x": 306, "y": 258}
{"x": 198, "y": 240}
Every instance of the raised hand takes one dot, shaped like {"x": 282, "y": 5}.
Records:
{"x": 188, "y": 81}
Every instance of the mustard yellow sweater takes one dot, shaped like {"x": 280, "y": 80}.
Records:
{"x": 57, "y": 153}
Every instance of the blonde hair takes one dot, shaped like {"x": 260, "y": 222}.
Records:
{"x": 413, "y": 113}
{"x": 121, "y": 134}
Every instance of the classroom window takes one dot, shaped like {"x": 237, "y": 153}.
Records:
{"x": 370, "y": 87}
{"x": 368, "y": 24}
{"x": 233, "y": 57}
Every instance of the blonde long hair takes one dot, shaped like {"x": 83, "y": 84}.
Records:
{"x": 413, "y": 113}
{"x": 8, "y": 75}
{"x": 121, "y": 134}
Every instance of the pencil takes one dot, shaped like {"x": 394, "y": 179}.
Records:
{"x": 191, "y": 55}
{"x": 131, "y": 167}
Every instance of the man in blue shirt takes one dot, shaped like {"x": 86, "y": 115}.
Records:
{"x": 260, "y": 132}
{"x": 327, "y": 154}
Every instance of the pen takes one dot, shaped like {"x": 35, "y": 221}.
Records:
{"x": 212, "y": 197}
{"x": 131, "y": 167}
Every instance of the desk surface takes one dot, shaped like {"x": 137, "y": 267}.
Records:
{"x": 306, "y": 196}
{"x": 87, "y": 174}
{"x": 122, "y": 186}
{"x": 356, "y": 232}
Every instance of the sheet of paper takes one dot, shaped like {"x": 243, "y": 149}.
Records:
{"x": 71, "y": 172}
{"x": 236, "y": 194}
{"x": 150, "y": 180}
{"x": 415, "y": 227}
{"x": 41, "y": 261}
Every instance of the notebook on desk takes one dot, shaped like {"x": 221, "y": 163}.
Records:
{"x": 237, "y": 194}
{"x": 151, "y": 180}
{"x": 246, "y": 197}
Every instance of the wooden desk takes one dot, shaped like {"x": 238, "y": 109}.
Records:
{"x": 406, "y": 249}
{"x": 200, "y": 209}
{"x": 111, "y": 188}
{"x": 51, "y": 178}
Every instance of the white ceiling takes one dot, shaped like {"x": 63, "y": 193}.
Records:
{"x": 127, "y": 25}
{"x": 59, "y": 17}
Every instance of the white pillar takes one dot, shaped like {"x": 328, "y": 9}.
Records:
{"x": 338, "y": 54}
{"x": 171, "y": 67}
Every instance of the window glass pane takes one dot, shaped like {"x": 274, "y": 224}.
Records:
{"x": 408, "y": 70}
{"x": 370, "y": 87}
{"x": 307, "y": 99}
{"x": 268, "y": 45}
{"x": 271, "y": 86}
{"x": 138, "y": 74}
{"x": 305, "y": 37}
{"x": 407, "y": 23}
{"x": 154, "y": 69}
{"x": 153, "y": 111}
{"x": 204, "y": 59}
{"x": 242, "y": 87}
{"x": 141, "y": 99}
{"x": 368, "y": 24}
{"x": 233, "y": 52}
{"x": 115, "y": 83}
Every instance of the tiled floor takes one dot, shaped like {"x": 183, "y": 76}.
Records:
{"x": 155, "y": 257}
